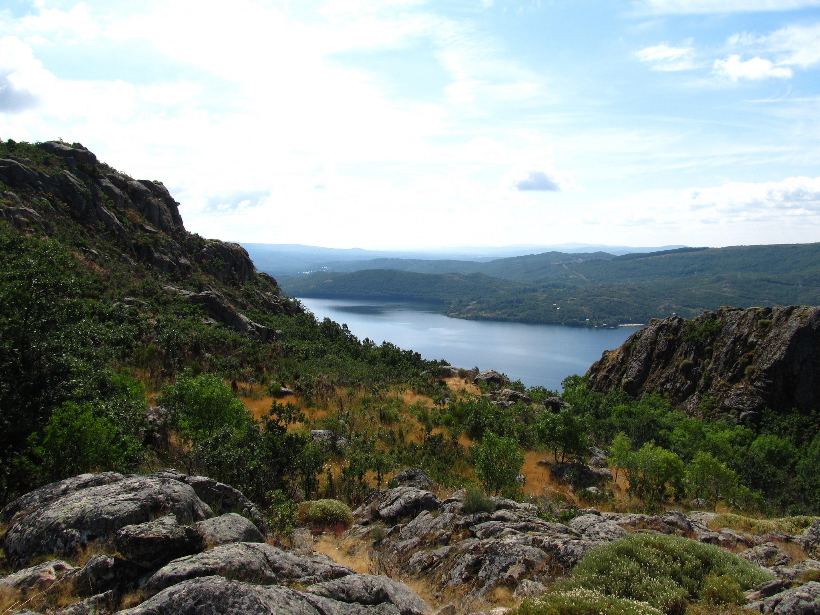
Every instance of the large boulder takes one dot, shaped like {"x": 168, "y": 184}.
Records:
{"x": 413, "y": 477}
{"x": 156, "y": 542}
{"x": 252, "y": 562}
{"x": 802, "y": 600}
{"x": 64, "y": 517}
{"x": 227, "y": 528}
{"x": 216, "y": 595}
{"x": 371, "y": 590}
{"x": 491, "y": 378}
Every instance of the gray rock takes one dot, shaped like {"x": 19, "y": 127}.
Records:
{"x": 491, "y": 378}
{"x": 768, "y": 554}
{"x": 529, "y": 589}
{"x": 227, "y": 528}
{"x": 413, "y": 477}
{"x": 802, "y": 600}
{"x": 37, "y": 577}
{"x": 156, "y": 542}
{"x": 580, "y": 475}
{"x": 246, "y": 561}
{"x": 810, "y": 540}
{"x": 371, "y": 590}
{"x": 65, "y": 523}
{"x": 405, "y": 502}
{"x": 102, "y": 573}
{"x": 100, "y": 604}
{"x": 216, "y": 595}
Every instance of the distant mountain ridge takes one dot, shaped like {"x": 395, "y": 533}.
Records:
{"x": 589, "y": 289}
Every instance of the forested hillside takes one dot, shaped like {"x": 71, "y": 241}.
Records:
{"x": 593, "y": 289}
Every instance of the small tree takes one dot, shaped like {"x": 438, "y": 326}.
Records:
{"x": 653, "y": 472}
{"x": 566, "y": 433}
{"x": 619, "y": 452}
{"x": 498, "y": 462}
{"x": 709, "y": 479}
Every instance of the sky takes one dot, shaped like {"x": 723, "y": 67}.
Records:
{"x": 407, "y": 124}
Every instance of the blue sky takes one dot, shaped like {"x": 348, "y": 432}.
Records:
{"x": 412, "y": 124}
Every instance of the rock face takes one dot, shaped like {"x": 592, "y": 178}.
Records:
{"x": 802, "y": 600}
{"x": 736, "y": 361}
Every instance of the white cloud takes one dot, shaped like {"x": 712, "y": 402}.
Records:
{"x": 722, "y": 6}
{"x": 537, "y": 181}
{"x": 795, "y": 45}
{"x": 667, "y": 59}
{"x": 754, "y": 69}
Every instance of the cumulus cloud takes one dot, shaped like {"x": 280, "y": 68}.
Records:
{"x": 537, "y": 181}
{"x": 797, "y": 45}
{"x": 19, "y": 72}
{"x": 723, "y": 6}
{"x": 665, "y": 58}
{"x": 754, "y": 69}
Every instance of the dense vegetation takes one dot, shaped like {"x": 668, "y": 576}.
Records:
{"x": 591, "y": 289}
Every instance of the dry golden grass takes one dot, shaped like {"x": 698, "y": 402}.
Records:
{"x": 462, "y": 384}
{"x": 754, "y": 525}
{"x": 133, "y": 599}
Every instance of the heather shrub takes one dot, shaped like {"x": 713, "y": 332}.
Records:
{"x": 324, "y": 514}
{"x": 582, "y": 601}
{"x": 666, "y": 572}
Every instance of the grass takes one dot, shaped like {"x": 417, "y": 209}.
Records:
{"x": 753, "y": 525}
{"x": 667, "y": 572}
{"x": 476, "y": 501}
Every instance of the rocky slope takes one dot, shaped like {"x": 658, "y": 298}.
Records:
{"x": 172, "y": 543}
{"x": 120, "y": 224}
{"x": 732, "y": 361}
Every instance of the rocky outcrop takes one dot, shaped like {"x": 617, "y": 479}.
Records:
{"x": 248, "y": 561}
{"x": 735, "y": 361}
{"x": 156, "y": 537}
{"x": 87, "y": 514}
{"x": 801, "y": 600}
{"x": 491, "y": 378}
{"x": 215, "y": 595}
{"x": 56, "y": 188}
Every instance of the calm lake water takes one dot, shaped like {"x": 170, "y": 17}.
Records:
{"x": 535, "y": 354}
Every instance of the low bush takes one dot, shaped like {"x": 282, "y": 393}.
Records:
{"x": 323, "y": 514}
{"x": 476, "y": 501}
{"x": 721, "y": 589}
{"x": 665, "y": 571}
{"x": 583, "y": 602}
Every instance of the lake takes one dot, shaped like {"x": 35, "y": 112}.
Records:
{"x": 535, "y": 354}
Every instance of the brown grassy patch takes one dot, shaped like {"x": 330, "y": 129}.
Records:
{"x": 754, "y": 525}
{"x": 355, "y": 554}
{"x": 132, "y": 599}
{"x": 10, "y": 599}
{"x": 462, "y": 384}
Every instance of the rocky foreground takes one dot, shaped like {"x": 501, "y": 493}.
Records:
{"x": 172, "y": 543}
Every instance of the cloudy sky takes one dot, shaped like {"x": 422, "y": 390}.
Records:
{"x": 405, "y": 123}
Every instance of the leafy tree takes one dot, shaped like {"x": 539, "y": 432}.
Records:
{"x": 654, "y": 472}
{"x": 709, "y": 479}
{"x": 565, "y": 433}
{"x": 808, "y": 474}
{"x": 769, "y": 466}
{"x": 203, "y": 404}
{"x": 498, "y": 462}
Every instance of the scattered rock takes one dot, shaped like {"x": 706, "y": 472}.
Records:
{"x": 371, "y": 590}
{"x": 491, "y": 378}
{"x": 768, "y": 555}
{"x": 802, "y": 600}
{"x": 413, "y": 477}
{"x": 227, "y": 528}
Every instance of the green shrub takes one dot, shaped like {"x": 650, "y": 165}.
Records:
{"x": 665, "y": 571}
{"x": 721, "y": 589}
{"x": 709, "y": 479}
{"x": 476, "y": 501}
{"x": 203, "y": 404}
{"x": 753, "y": 525}
{"x": 583, "y": 602}
{"x": 324, "y": 514}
